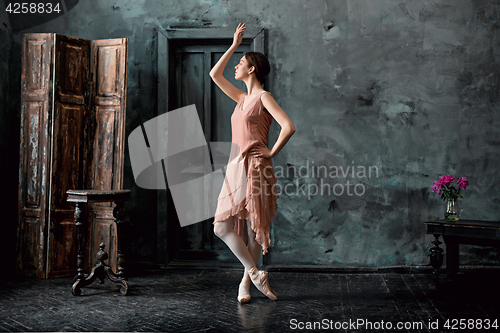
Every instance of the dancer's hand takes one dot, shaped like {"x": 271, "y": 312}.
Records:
{"x": 238, "y": 35}
{"x": 260, "y": 152}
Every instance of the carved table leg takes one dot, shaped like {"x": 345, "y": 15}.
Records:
{"x": 436, "y": 256}
{"x": 97, "y": 272}
{"x": 79, "y": 258}
{"x": 104, "y": 271}
{"x": 119, "y": 214}
{"x": 100, "y": 271}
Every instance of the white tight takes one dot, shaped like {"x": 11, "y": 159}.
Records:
{"x": 248, "y": 256}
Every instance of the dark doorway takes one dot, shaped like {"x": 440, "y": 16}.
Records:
{"x": 185, "y": 60}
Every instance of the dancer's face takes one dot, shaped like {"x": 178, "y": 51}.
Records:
{"x": 241, "y": 70}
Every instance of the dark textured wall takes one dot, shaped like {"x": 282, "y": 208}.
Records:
{"x": 405, "y": 89}
{"x": 10, "y": 91}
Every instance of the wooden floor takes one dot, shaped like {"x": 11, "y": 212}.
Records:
{"x": 197, "y": 300}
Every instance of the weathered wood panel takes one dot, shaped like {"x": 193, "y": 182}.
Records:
{"x": 35, "y": 122}
{"x": 36, "y": 99}
{"x": 104, "y": 147}
{"x": 69, "y": 158}
{"x": 109, "y": 86}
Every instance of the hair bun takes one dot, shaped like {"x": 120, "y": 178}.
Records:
{"x": 261, "y": 64}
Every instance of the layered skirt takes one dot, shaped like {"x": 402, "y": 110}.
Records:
{"x": 249, "y": 195}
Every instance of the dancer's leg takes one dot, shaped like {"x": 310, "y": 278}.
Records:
{"x": 255, "y": 249}
{"x": 225, "y": 231}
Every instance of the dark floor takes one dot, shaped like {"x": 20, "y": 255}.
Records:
{"x": 198, "y": 300}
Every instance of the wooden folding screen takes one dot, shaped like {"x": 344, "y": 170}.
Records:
{"x": 72, "y": 133}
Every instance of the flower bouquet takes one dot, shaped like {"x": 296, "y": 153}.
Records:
{"x": 450, "y": 194}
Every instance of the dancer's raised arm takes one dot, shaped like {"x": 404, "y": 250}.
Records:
{"x": 217, "y": 71}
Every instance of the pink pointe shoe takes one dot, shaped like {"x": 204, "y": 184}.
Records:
{"x": 243, "y": 294}
{"x": 260, "y": 280}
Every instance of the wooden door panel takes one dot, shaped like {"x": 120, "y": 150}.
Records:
{"x": 73, "y": 79}
{"x": 104, "y": 148}
{"x": 109, "y": 73}
{"x": 32, "y": 258}
{"x": 69, "y": 158}
{"x": 36, "y": 93}
{"x": 109, "y": 69}
{"x": 37, "y": 63}
{"x": 69, "y": 155}
{"x": 109, "y": 82}
{"x": 33, "y": 125}
{"x": 189, "y": 66}
{"x": 63, "y": 252}
{"x": 190, "y": 70}
{"x": 69, "y": 152}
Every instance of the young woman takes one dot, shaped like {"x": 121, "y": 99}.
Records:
{"x": 247, "y": 202}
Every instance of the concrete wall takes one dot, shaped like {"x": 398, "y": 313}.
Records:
{"x": 405, "y": 89}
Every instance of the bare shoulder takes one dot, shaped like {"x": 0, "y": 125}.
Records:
{"x": 266, "y": 94}
{"x": 276, "y": 111}
{"x": 267, "y": 98}
{"x": 268, "y": 101}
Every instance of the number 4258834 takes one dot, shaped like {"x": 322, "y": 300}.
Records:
{"x": 32, "y": 8}
{"x": 471, "y": 324}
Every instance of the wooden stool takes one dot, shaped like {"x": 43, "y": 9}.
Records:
{"x": 101, "y": 270}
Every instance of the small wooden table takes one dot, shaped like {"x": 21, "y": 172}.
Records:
{"x": 473, "y": 232}
{"x": 101, "y": 270}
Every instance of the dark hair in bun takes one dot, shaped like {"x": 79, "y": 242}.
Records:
{"x": 261, "y": 64}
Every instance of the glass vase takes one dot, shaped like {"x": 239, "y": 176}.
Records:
{"x": 451, "y": 212}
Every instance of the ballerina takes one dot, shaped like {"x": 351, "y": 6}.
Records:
{"x": 248, "y": 198}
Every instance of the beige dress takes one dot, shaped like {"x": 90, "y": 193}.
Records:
{"x": 249, "y": 190}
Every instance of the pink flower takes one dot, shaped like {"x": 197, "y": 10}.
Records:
{"x": 462, "y": 183}
{"x": 447, "y": 179}
{"x": 436, "y": 187}
{"x": 447, "y": 191}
